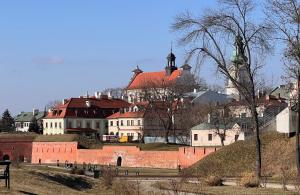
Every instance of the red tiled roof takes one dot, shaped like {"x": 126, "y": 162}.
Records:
{"x": 127, "y": 115}
{"x": 153, "y": 79}
{"x": 77, "y": 108}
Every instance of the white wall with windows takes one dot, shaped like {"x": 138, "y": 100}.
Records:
{"x": 210, "y": 138}
{"x": 126, "y": 127}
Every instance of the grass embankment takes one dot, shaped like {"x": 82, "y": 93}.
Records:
{"x": 219, "y": 190}
{"x": 278, "y": 154}
{"x": 32, "y": 180}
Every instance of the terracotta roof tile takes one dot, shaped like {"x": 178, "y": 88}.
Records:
{"x": 153, "y": 79}
{"x": 77, "y": 108}
{"x": 127, "y": 115}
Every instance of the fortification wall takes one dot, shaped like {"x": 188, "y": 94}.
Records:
{"x": 128, "y": 156}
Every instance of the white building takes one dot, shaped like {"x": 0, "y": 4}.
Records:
{"x": 22, "y": 120}
{"x": 287, "y": 121}
{"x": 82, "y": 115}
{"x": 205, "y": 134}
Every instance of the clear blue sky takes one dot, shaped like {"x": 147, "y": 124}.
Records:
{"x": 57, "y": 49}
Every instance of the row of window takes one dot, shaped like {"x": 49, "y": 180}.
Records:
{"x": 79, "y": 124}
{"x": 196, "y": 137}
{"x": 53, "y": 125}
{"x": 128, "y": 123}
{"x": 21, "y": 125}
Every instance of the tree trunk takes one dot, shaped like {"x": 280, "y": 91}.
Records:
{"x": 167, "y": 136}
{"x": 257, "y": 138}
{"x": 297, "y": 131}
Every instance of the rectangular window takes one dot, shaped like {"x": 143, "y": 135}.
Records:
{"x": 46, "y": 125}
{"x": 132, "y": 122}
{"x": 97, "y": 125}
{"x": 195, "y": 137}
{"x": 111, "y": 123}
{"x": 128, "y": 122}
{"x": 55, "y": 124}
{"x": 236, "y": 137}
{"x": 117, "y": 123}
{"x": 121, "y": 122}
{"x": 244, "y": 126}
{"x": 209, "y": 137}
{"x": 139, "y": 122}
{"x": 88, "y": 124}
{"x": 78, "y": 124}
{"x": 51, "y": 125}
{"x": 60, "y": 125}
{"x": 70, "y": 124}
{"x": 243, "y": 115}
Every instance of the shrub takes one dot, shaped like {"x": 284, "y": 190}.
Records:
{"x": 249, "y": 180}
{"x": 77, "y": 171}
{"x": 213, "y": 180}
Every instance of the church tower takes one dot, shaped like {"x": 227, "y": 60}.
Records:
{"x": 171, "y": 66}
{"x": 237, "y": 69}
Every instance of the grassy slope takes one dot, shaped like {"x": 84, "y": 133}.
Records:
{"x": 277, "y": 153}
{"x": 35, "y": 181}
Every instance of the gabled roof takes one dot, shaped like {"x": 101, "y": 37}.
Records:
{"x": 78, "y": 108}
{"x": 208, "y": 96}
{"x": 153, "y": 79}
{"x": 208, "y": 126}
{"x": 27, "y": 116}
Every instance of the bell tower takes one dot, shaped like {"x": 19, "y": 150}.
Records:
{"x": 171, "y": 66}
{"x": 237, "y": 69}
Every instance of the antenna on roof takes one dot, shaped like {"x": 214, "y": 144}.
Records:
{"x": 171, "y": 46}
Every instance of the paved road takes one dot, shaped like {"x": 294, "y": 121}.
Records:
{"x": 148, "y": 182}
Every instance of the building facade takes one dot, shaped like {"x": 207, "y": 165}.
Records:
{"x": 157, "y": 83}
{"x": 22, "y": 120}
{"x": 205, "y": 134}
{"x": 82, "y": 115}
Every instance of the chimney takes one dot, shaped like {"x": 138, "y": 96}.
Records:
{"x": 109, "y": 94}
{"x": 208, "y": 118}
{"x": 35, "y": 112}
{"x": 64, "y": 101}
{"x": 97, "y": 94}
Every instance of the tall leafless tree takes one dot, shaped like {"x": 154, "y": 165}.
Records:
{"x": 211, "y": 36}
{"x": 165, "y": 103}
{"x": 284, "y": 17}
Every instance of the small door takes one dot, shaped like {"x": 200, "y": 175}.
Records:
{"x": 119, "y": 161}
{"x": 6, "y": 157}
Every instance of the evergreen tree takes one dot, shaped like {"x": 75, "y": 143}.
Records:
{"x": 33, "y": 125}
{"x": 7, "y": 121}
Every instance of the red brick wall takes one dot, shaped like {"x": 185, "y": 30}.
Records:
{"x": 16, "y": 149}
{"x": 50, "y": 152}
{"x": 132, "y": 156}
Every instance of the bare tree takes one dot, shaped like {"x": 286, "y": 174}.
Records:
{"x": 165, "y": 103}
{"x": 52, "y": 104}
{"x": 211, "y": 36}
{"x": 284, "y": 17}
